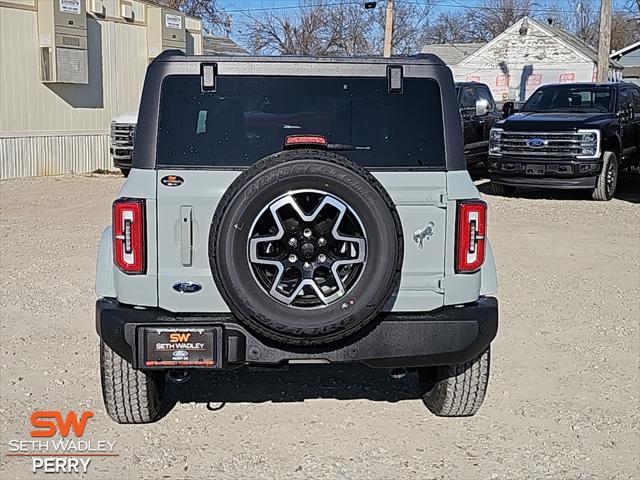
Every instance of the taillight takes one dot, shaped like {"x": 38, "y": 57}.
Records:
{"x": 305, "y": 140}
{"x": 470, "y": 238}
{"x": 128, "y": 235}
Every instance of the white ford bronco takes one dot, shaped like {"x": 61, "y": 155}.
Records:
{"x": 296, "y": 210}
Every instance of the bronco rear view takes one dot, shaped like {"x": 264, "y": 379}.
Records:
{"x": 296, "y": 210}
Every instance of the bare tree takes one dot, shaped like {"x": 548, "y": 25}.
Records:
{"x": 625, "y": 30}
{"x": 351, "y": 27}
{"x": 579, "y": 17}
{"x": 278, "y": 32}
{"x": 338, "y": 27}
{"x": 449, "y": 27}
{"x": 409, "y": 23}
{"x": 582, "y": 19}
{"x": 494, "y": 16}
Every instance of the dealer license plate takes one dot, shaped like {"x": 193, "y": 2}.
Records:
{"x": 180, "y": 347}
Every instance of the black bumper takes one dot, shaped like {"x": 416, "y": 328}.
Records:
{"x": 549, "y": 172}
{"x": 446, "y": 336}
{"x": 121, "y": 158}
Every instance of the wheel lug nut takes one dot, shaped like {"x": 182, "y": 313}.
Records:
{"x": 322, "y": 258}
{"x": 307, "y": 266}
{"x": 322, "y": 242}
{"x": 293, "y": 242}
{"x": 307, "y": 233}
{"x": 293, "y": 258}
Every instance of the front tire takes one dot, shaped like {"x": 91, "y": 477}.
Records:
{"x": 456, "y": 390}
{"x": 130, "y": 396}
{"x": 607, "y": 181}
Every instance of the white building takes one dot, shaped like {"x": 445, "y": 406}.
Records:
{"x": 526, "y": 55}
{"x": 67, "y": 67}
{"x": 629, "y": 58}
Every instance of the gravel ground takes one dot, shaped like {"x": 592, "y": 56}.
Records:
{"x": 562, "y": 402}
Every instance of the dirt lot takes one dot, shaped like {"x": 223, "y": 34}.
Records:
{"x": 563, "y": 402}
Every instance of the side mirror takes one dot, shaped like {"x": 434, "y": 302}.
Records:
{"x": 508, "y": 109}
{"x": 626, "y": 111}
{"x": 482, "y": 107}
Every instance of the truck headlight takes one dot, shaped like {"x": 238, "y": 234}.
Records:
{"x": 495, "y": 135}
{"x": 589, "y": 143}
{"x": 589, "y": 137}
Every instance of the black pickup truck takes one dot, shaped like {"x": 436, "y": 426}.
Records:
{"x": 570, "y": 136}
{"x": 479, "y": 114}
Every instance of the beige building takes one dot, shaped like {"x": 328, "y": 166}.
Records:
{"x": 67, "y": 67}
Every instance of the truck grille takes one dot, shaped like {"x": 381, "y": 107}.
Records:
{"x": 122, "y": 140}
{"x": 547, "y": 144}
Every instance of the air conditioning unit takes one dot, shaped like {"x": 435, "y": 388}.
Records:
{"x": 126, "y": 11}
{"x": 62, "y": 30}
{"x": 165, "y": 30}
{"x": 97, "y": 7}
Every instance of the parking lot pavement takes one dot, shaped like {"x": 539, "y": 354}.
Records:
{"x": 562, "y": 402}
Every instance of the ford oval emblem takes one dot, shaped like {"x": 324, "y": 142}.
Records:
{"x": 180, "y": 354}
{"x": 536, "y": 142}
{"x": 187, "y": 287}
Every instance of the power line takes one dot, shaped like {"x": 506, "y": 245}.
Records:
{"x": 438, "y": 4}
{"x": 435, "y": 5}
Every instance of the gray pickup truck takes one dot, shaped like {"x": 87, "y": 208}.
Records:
{"x": 296, "y": 211}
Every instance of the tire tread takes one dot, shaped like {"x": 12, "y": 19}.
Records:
{"x": 459, "y": 389}
{"x": 130, "y": 396}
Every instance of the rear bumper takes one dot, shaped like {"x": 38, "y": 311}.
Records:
{"x": 447, "y": 336}
{"x": 545, "y": 172}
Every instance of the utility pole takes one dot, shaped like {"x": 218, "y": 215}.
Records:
{"x": 604, "y": 41}
{"x": 388, "y": 29}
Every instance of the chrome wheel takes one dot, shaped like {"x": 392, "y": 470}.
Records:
{"x": 307, "y": 249}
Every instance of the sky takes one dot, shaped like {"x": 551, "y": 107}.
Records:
{"x": 440, "y": 4}
{"x": 237, "y": 7}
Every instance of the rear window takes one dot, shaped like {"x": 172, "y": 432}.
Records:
{"x": 249, "y": 117}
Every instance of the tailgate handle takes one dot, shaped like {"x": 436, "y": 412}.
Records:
{"x": 186, "y": 235}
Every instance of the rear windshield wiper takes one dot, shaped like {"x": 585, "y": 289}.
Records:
{"x": 344, "y": 147}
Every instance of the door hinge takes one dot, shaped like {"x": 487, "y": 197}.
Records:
{"x": 437, "y": 198}
{"x": 435, "y": 285}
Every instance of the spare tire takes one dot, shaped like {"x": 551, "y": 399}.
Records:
{"x": 306, "y": 247}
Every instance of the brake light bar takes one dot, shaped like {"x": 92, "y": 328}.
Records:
{"x": 470, "y": 236}
{"x": 128, "y": 235}
{"x": 302, "y": 140}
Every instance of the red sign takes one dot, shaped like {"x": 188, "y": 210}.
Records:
{"x": 49, "y": 422}
{"x": 534, "y": 80}
{"x": 503, "y": 80}
{"x": 473, "y": 78}
{"x": 567, "y": 77}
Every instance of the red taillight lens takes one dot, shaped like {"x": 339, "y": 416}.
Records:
{"x": 302, "y": 140}
{"x": 128, "y": 235}
{"x": 471, "y": 232}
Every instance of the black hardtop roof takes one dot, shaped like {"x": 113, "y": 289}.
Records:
{"x": 179, "y": 56}
{"x": 587, "y": 84}
{"x": 469, "y": 84}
